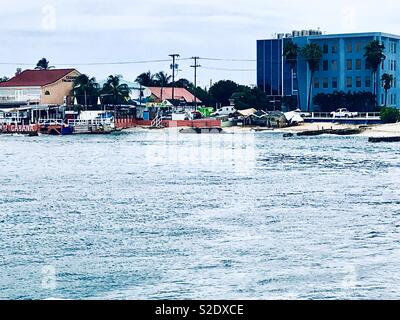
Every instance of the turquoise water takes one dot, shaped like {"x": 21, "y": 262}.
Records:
{"x": 155, "y": 215}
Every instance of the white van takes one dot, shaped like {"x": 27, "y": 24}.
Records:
{"x": 224, "y": 111}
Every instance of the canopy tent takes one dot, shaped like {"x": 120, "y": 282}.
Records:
{"x": 294, "y": 117}
{"x": 247, "y": 113}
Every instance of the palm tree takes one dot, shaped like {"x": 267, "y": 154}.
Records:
{"x": 146, "y": 79}
{"x": 374, "y": 56}
{"x": 290, "y": 54}
{"x": 312, "y": 53}
{"x": 120, "y": 93}
{"x": 387, "y": 82}
{"x": 163, "y": 79}
{"x": 85, "y": 86}
{"x": 43, "y": 64}
{"x": 184, "y": 83}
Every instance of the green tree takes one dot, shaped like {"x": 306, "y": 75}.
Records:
{"x": 247, "y": 97}
{"x": 387, "y": 82}
{"x": 115, "y": 92}
{"x": 183, "y": 83}
{"x": 43, "y": 64}
{"x": 312, "y": 53}
{"x": 163, "y": 80}
{"x": 86, "y": 90}
{"x": 390, "y": 115}
{"x": 4, "y": 79}
{"x": 203, "y": 95}
{"x": 223, "y": 90}
{"x": 374, "y": 56}
{"x": 146, "y": 79}
{"x": 290, "y": 54}
{"x": 354, "y": 101}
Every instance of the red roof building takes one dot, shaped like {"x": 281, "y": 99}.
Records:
{"x": 39, "y": 86}
{"x": 36, "y": 78}
{"x": 162, "y": 94}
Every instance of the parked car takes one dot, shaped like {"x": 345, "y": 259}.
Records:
{"x": 303, "y": 114}
{"x": 224, "y": 111}
{"x": 343, "y": 113}
{"x": 195, "y": 115}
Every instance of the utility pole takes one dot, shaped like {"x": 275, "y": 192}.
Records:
{"x": 195, "y": 66}
{"x": 173, "y": 67}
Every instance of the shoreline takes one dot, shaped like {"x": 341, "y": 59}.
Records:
{"x": 373, "y": 131}
{"x": 377, "y": 130}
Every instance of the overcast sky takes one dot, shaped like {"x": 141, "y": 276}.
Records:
{"x": 82, "y": 31}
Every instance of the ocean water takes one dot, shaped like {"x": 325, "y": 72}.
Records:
{"x": 162, "y": 215}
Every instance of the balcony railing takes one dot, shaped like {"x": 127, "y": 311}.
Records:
{"x": 21, "y": 98}
{"x": 360, "y": 115}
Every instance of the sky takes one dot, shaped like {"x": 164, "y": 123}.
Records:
{"x": 72, "y": 33}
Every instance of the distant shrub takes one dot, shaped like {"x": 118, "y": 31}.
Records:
{"x": 390, "y": 115}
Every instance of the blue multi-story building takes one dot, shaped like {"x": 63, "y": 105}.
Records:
{"x": 342, "y": 67}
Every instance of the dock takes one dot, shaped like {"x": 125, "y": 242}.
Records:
{"x": 384, "y": 139}
{"x": 339, "y": 132}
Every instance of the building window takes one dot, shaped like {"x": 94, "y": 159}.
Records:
{"x": 47, "y": 93}
{"x": 358, "y": 47}
{"x": 326, "y": 48}
{"x": 394, "y": 99}
{"x": 368, "y": 82}
{"x": 358, "y": 64}
{"x": 395, "y": 65}
{"x": 393, "y": 47}
{"x": 334, "y": 83}
{"x": 325, "y": 65}
{"x": 349, "y": 47}
{"x": 358, "y": 82}
{"x": 349, "y": 64}
{"x": 325, "y": 83}
{"x": 316, "y": 83}
{"x": 334, "y": 66}
{"x": 349, "y": 82}
{"x": 334, "y": 48}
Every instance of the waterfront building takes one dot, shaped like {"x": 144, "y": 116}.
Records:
{"x": 37, "y": 87}
{"x": 159, "y": 95}
{"x": 342, "y": 67}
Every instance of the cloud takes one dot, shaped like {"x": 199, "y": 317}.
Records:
{"x": 103, "y": 30}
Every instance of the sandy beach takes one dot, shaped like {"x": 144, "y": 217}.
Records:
{"x": 380, "y": 130}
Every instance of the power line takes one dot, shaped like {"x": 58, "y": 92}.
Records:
{"x": 226, "y": 69}
{"x": 128, "y": 62}
{"x": 91, "y": 63}
{"x": 229, "y": 60}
